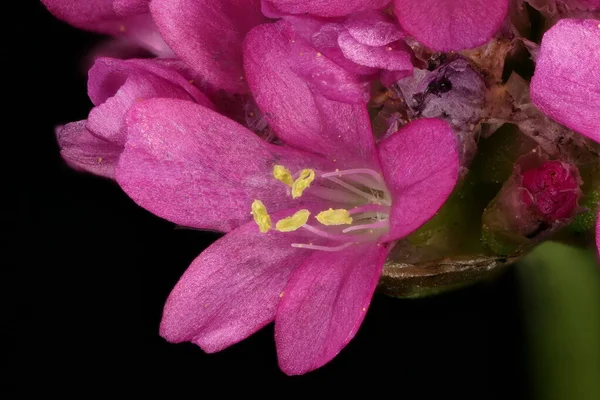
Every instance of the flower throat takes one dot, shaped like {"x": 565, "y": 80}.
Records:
{"x": 361, "y": 192}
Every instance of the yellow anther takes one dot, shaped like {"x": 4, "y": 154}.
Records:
{"x": 294, "y": 222}
{"x": 334, "y": 217}
{"x": 282, "y": 174}
{"x": 261, "y": 216}
{"x": 303, "y": 182}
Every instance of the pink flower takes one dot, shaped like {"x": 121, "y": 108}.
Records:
{"x": 328, "y": 203}
{"x": 114, "y": 86}
{"x": 339, "y": 59}
{"x": 129, "y": 20}
{"x": 566, "y": 83}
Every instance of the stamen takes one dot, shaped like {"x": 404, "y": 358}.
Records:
{"x": 334, "y": 217}
{"x": 303, "y": 182}
{"x": 282, "y": 174}
{"x": 369, "y": 208}
{"x": 366, "y": 171}
{"x": 261, "y": 216}
{"x": 332, "y": 236}
{"x": 358, "y": 191}
{"x": 375, "y": 225}
{"x": 294, "y": 222}
{"x": 323, "y": 248}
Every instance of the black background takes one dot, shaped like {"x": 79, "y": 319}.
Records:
{"x": 84, "y": 295}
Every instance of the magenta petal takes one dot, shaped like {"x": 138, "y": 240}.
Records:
{"x": 85, "y": 152}
{"x": 208, "y": 35}
{"x": 107, "y": 75}
{"x": 373, "y": 28}
{"x": 124, "y": 8}
{"x": 327, "y": 8}
{"x": 324, "y": 304}
{"x": 310, "y": 122}
{"x": 89, "y": 14}
{"x": 116, "y": 85}
{"x": 566, "y": 83}
{"x": 194, "y": 167}
{"x": 232, "y": 289}
{"x": 451, "y": 24}
{"x": 393, "y": 56}
{"x": 420, "y": 165}
{"x": 325, "y": 77}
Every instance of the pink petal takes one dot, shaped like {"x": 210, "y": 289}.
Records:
{"x": 324, "y": 304}
{"x": 108, "y": 75}
{"x": 232, "y": 289}
{"x": 85, "y": 152}
{"x": 196, "y": 168}
{"x": 208, "y": 35}
{"x": 107, "y": 120}
{"x": 420, "y": 165}
{"x": 566, "y": 83}
{"x": 395, "y": 56}
{"x": 99, "y": 16}
{"x": 125, "y": 8}
{"x": 327, "y": 8}
{"x": 301, "y": 119}
{"x": 326, "y": 77}
{"x": 90, "y": 14}
{"x": 373, "y": 28}
{"x": 451, "y": 24}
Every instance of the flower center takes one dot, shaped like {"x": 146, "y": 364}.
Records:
{"x": 362, "y": 194}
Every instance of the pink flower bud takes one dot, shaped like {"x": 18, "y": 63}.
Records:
{"x": 551, "y": 190}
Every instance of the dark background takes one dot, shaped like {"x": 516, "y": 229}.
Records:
{"x": 84, "y": 293}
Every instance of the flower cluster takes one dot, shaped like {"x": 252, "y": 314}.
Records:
{"x": 316, "y": 135}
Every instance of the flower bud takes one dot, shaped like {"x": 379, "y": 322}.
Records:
{"x": 540, "y": 197}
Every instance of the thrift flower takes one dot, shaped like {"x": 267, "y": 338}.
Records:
{"x": 114, "y": 86}
{"x": 308, "y": 231}
{"x": 566, "y": 83}
{"x": 339, "y": 59}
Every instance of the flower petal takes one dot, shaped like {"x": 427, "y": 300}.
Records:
{"x": 566, "y": 83}
{"x": 194, "y": 167}
{"x": 116, "y": 85}
{"x": 85, "y": 152}
{"x": 373, "y": 28}
{"x": 451, "y": 24}
{"x": 326, "y": 77}
{"x": 300, "y": 118}
{"x": 327, "y": 8}
{"x": 232, "y": 289}
{"x": 395, "y": 56}
{"x": 324, "y": 304}
{"x": 124, "y": 8}
{"x": 420, "y": 165}
{"x": 99, "y": 16}
{"x": 208, "y": 35}
{"x": 89, "y": 14}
